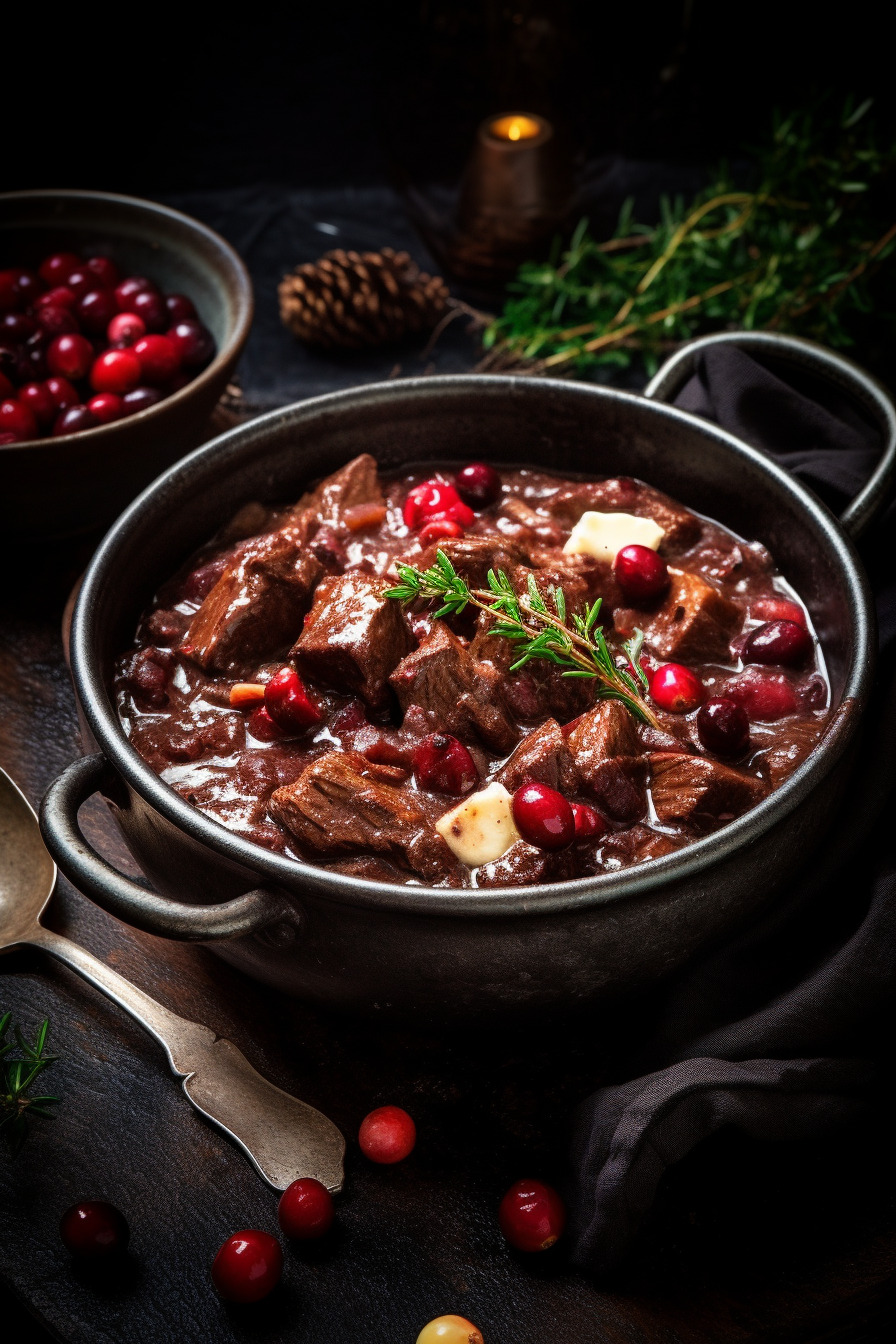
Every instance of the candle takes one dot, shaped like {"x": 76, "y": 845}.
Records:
{"x": 516, "y": 127}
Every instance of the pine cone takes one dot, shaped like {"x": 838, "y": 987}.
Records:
{"x": 348, "y": 300}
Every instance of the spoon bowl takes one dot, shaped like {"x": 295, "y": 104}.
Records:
{"x": 27, "y": 872}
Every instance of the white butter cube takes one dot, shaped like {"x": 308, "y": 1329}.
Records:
{"x": 480, "y": 828}
{"x": 604, "y": 534}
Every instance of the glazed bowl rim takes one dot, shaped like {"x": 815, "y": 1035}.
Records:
{"x": 239, "y": 287}
{"x": 594, "y": 890}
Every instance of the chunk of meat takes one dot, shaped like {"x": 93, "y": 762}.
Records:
{"x": 695, "y": 620}
{"x": 339, "y": 805}
{"x": 792, "y": 744}
{"x": 459, "y": 694}
{"x": 636, "y": 845}
{"x": 543, "y": 756}
{"x": 354, "y": 636}
{"x": 256, "y": 607}
{"x": 623, "y": 494}
{"x": 354, "y": 484}
{"x": 473, "y": 557}
{"x": 697, "y": 790}
{"x": 523, "y": 865}
{"x": 605, "y": 747}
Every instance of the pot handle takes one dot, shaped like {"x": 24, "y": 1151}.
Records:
{"x": 120, "y": 895}
{"x": 816, "y": 359}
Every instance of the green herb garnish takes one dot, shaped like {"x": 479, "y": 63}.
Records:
{"x": 20, "y": 1065}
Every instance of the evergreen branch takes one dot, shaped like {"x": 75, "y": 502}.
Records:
{"x": 17, "y": 1073}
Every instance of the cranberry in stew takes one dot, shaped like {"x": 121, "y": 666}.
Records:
{"x": 483, "y": 679}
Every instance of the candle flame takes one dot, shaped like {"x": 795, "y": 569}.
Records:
{"x": 515, "y": 128}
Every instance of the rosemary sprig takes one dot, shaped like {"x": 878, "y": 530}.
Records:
{"x": 580, "y": 648}
{"x": 20, "y": 1065}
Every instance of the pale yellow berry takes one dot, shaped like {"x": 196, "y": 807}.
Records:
{"x": 450, "y": 1330}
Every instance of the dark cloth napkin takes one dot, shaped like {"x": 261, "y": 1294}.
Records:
{"x": 784, "y": 1031}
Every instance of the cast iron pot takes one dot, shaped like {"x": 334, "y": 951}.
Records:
{"x": 370, "y": 945}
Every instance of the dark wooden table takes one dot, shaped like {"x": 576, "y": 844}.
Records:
{"x": 747, "y": 1242}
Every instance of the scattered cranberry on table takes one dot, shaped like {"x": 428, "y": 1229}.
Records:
{"x": 723, "y": 726}
{"x": 248, "y": 1266}
{"x": 543, "y": 816}
{"x": 450, "y": 1330}
{"x": 781, "y": 643}
{"x": 676, "y": 688}
{"x": 444, "y": 765}
{"x": 641, "y": 573}
{"x": 387, "y": 1135}
{"x": 288, "y": 703}
{"x": 94, "y": 1229}
{"x": 305, "y": 1210}
{"x": 478, "y": 485}
{"x": 531, "y": 1215}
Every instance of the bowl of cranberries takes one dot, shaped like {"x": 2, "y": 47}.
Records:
{"x": 120, "y": 324}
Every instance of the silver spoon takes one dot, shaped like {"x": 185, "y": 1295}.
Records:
{"x": 283, "y": 1138}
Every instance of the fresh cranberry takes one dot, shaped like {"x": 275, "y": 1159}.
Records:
{"x": 531, "y": 1215}
{"x": 261, "y": 726}
{"x": 149, "y": 678}
{"x": 641, "y": 574}
{"x": 478, "y": 485}
{"x": 444, "y": 765}
{"x": 200, "y": 581}
{"x": 7, "y": 437}
{"x": 60, "y": 296}
{"x": 70, "y": 355}
{"x": 195, "y": 343}
{"x": 125, "y": 329}
{"x": 676, "y": 688}
{"x": 723, "y": 726}
{"x": 94, "y": 1230}
{"x": 55, "y": 269}
{"x": 96, "y": 310}
{"x": 17, "y": 327}
{"x": 777, "y": 609}
{"x": 288, "y": 703}
{"x": 438, "y": 528}
{"x": 141, "y": 399}
{"x": 73, "y": 420}
{"x": 116, "y": 371}
{"x": 127, "y": 289}
{"x": 38, "y": 398}
{"x": 56, "y": 320}
{"x": 150, "y": 305}
{"x": 813, "y": 692}
{"x": 305, "y": 1210}
{"x": 543, "y": 816}
{"x": 248, "y": 1266}
{"x": 62, "y": 392}
{"x": 784, "y": 643}
{"x": 158, "y": 358}
{"x": 435, "y": 499}
{"x": 18, "y": 419}
{"x": 589, "y": 823}
{"x": 104, "y": 269}
{"x": 766, "y": 696}
{"x": 80, "y": 281}
{"x": 180, "y": 308}
{"x": 387, "y": 1135}
{"x": 106, "y": 407}
{"x": 29, "y": 286}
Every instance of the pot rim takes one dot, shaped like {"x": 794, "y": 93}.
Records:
{"x": 595, "y": 890}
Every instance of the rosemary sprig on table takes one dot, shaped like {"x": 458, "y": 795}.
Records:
{"x": 580, "y": 648}
{"x": 794, "y": 253}
{"x": 20, "y": 1065}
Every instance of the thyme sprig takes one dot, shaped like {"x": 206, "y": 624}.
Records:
{"x": 20, "y": 1066}
{"x": 579, "y": 646}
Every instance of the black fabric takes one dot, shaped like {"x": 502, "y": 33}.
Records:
{"x": 783, "y": 1032}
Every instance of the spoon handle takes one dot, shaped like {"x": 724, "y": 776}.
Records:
{"x": 283, "y": 1137}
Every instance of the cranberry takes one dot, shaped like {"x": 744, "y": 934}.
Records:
{"x": 434, "y": 499}
{"x": 125, "y": 329}
{"x": 676, "y": 688}
{"x": 7, "y": 437}
{"x": 62, "y": 392}
{"x": 141, "y": 399}
{"x": 438, "y": 528}
{"x": 723, "y": 726}
{"x": 38, "y": 398}
{"x": 531, "y": 1215}
{"x": 58, "y": 297}
{"x": 55, "y": 269}
{"x": 444, "y": 764}
{"x": 261, "y": 726}
{"x": 450, "y": 1330}
{"x": 150, "y": 305}
{"x": 589, "y": 823}
{"x": 785, "y": 643}
{"x": 96, "y": 310}
{"x": 158, "y": 358}
{"x": 195, "y": 343}
{"x": 56, "y": 320}
{"x": 29, "y": 286}
{"x": 641, "y": 573}
{"x": 18, "y": 419}
{"x": 766, "y": 696}
{"x": 116, "y": 371}
{"x": 94, "y": 1229}
{"x": 305, "y": 1210}
{"x": 478, "y": 485}
{"x": 387, "y": 1135}
{"x": 543, "y": 816}
{"x": 73, "y": 419}
{"x": 70, "y": 355}
{"x": 180, "y": 308}
{"x": 777, "y": 609}
{"x": 104, "y": 269}
{"x": 127, "y": 289}
{"x": 199, "y": 582}
{"x": 248, "y": 1266}
{"x": 288, "y": 703}
{"x": 106, "y": 407}
{"x": 80, "y": 281}
{"x": 17, "y": 327}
